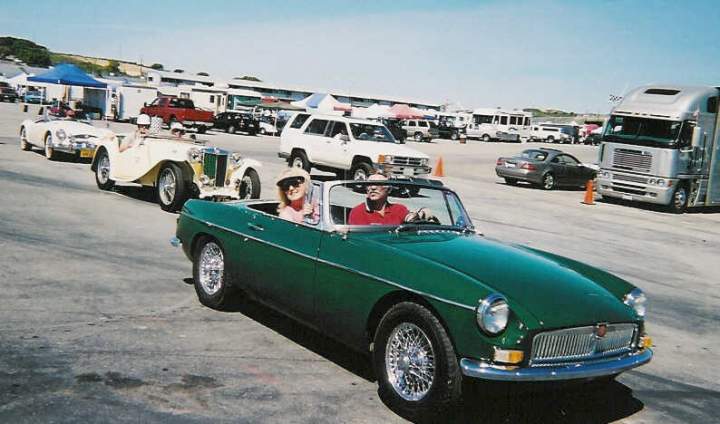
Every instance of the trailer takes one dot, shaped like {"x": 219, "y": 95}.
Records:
{"x": 125, "y": 101}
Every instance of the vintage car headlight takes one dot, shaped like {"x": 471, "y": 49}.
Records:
{"x": 636, "y": 299}
{"x": 492, "y": 314}
{"x": 61, "y": 135}
{"x": 204, "y": 179}
{"x": 237, "y": 160}
{"x": 194, "y": 155}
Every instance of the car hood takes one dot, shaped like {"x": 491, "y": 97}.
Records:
{"x": 556, "y": 291}
{"x": 81, "y": 128}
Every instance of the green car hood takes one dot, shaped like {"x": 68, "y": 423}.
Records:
{"x": 558, "y": 292}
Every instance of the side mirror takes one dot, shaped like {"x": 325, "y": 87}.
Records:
{"x": 696, "y": 137}
{"x": 344, "y": 138}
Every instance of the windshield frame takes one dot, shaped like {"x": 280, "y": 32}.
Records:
{"x": 644, "y": 141}
{"x": 329, "y": 225}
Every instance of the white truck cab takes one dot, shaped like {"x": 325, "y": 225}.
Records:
{"x": 348, "y": 145}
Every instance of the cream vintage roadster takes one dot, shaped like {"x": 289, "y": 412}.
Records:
{"x": 58, "y": 136}
{"x": 178, "y": 169}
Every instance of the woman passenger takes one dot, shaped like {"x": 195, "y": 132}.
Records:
{"x": 293, "y": 185}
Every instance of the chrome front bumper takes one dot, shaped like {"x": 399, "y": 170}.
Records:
{"x": 74, "y": 147}
{"x": 402, "y": 170}
{"x": 486, "y": 371}
{"x": 638, "y": 192}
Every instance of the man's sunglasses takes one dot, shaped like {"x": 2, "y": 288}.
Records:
{"x": 291, "y": 182}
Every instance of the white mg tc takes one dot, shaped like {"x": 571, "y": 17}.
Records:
{"x": 178, "y": 169}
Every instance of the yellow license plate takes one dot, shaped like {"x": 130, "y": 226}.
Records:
{"x": 86, "y": 153}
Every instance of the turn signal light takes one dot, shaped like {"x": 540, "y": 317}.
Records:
{"x": 508, "y": 356}
{"x": 645, "y": 342}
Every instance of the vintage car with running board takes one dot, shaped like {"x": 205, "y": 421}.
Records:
{"x": 431, "y": 301}
{"x": 178, "y": 169}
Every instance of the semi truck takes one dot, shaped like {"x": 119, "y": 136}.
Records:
{"x": 661, "y": 145}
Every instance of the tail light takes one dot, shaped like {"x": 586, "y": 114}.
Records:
{"x": 500, "y": 161}
{"x": 528, "y": 166}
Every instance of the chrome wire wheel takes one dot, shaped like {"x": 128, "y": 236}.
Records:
{"x": 49, "y": 152}
{"x": 167, "y": 184}
{"x": 410, "y": 362}
{"x": 103, "y": 169}
{"x": 246, "y": 187}
{"x": 24, "y": 145}
{"x": 211, "y": 268}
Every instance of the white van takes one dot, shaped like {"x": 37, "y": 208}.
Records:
{"x": 550, "y": 134}
{"x": 498, "y": 124}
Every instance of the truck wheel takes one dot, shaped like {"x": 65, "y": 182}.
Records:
{"x": 171, "y": 186}
{"x": 24, "y": 145}
{"x": 361, "y": 171}
{"x": 102, "y": 171}
{"x": 453, "y": 135}
{"x": 548, "y": 181}
{"x": 171, "y": 121}
{"x": 550, "y": 139}
{"x": 486, "y": 138}
{"x": 678, "y": 203}
{"x": 418, "y": 137}
{"x": 231, "y": 129}
{"x": 201, "y": 129}
{"x": 262, "y": 131}
{"x": 211, "y": 274}
{"x": 250, "y": 185}
{"x": 415, "y": 363}
{"x": 299, "y": 159}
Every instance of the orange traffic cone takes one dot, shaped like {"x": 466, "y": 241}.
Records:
{"x": 439, "y": 169}
{"x": 589, "y": 195}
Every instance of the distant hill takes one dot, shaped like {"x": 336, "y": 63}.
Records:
{"x": 550, "y": 113}
{"x": 24, "y": 50}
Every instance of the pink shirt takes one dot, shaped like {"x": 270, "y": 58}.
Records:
{"x": 289, "y": 213}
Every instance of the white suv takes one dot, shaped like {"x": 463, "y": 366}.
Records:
{"x": 341, "y": 145}
{"x": 420, "y": 129}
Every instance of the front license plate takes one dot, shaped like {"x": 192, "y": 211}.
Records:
{"x": 86, "y": 153}
{"x": 408, "y": 172}
{"x": 627, "y": 197}
{"x": 509, "y": 165}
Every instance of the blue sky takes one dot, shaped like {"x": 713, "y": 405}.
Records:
{"x": 558, "y": 54}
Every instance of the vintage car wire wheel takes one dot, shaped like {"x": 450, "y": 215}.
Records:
{"x": 250, "y": 185}
{"x": 167, "y": 184}
{"x": 49, "y": 151}
{"x": 211, "y": 268}
{"x": 24, "y": 145}
{"x": 172, "y": 187}
{"x": 410, "y": 361}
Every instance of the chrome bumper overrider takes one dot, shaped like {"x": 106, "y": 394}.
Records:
{"x": 175, "y": 242}
{"x": 486, "y": 371}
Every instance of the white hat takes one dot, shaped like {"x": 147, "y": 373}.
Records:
{"x": 177, "y": 126}
{"x": 143, "y": 119}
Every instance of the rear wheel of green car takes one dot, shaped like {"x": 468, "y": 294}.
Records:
{"x": 210, "y": 274}
{"x": 415, "y": 363}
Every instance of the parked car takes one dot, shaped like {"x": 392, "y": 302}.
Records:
{"x": 341, "y": 145}
{"x": 550, "y": 134}
{"x": 420, "y": 129}
{"x": 431, "y": 302}
{"x": 448, "y": 129}
{"x": 395, "y": 127}
{"x": 8, "y": 94}
{"x": 595, "y": 137}
{"x": 178, "y": 169}
{"x": 62, "y": 136}
{"x": 267, "y": 126}
{"x": 33, "y": 97}
{"x": 547, "y": 168}
{"x": 173, "y": 109}
{"x": 233, "y": 122}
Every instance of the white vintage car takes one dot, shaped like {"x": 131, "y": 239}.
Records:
{"x": 59, "y": 135}
{"x": 178, "y": 169}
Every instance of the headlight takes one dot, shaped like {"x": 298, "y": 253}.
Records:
{"x": 660, "y": 182}
{"x": 424, "y": 162}
{"x": 385, "y": 159}
{"x": 636, "y": 299}
{"x": 194, "y": 154}
{"x": 60, "y": 134}
{"x": 492, "y": 314}
{"x": 204, "y": 179}
{"x": 237, "y": 160}
{"x": 606, "y": 174}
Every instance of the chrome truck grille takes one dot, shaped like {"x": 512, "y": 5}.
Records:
{"x": 632, "y": 160}
{"x": 406, "y": 161}
{"x": 573, "y": 345}
{"x": 215, "y": 166}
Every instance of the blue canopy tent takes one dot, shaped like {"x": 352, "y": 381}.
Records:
{"x": 68, "y": 74}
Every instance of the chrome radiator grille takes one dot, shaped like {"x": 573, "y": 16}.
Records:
{"x": 633, "y": 160}
{"x": 581, "y": 344}
{"x": 406, "y": 161}
{"x": 215, "y": 167}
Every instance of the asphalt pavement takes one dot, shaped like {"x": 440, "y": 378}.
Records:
{"x": 100, "y": 322}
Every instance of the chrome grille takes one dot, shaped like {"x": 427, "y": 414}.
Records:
{"x": 580, "y": 344}
{"x": 631, "y": 178}
{"x": 406, "y": 161}
{"x": 634, "y": 160}
{"x": 215, "y": 166}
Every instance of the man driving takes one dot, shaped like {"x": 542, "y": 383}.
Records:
{"x": 143, "y": 128}
{"x": 376, "y": 210}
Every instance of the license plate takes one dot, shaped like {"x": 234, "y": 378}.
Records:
{"x": 408, "y": 172}
{"x": 509, "y": 165}
{"x": 627, "y": 197}
{"x": 86, "y": 153}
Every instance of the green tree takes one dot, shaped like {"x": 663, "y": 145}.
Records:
{"x": 113, "y": 66}
{"x": 157, "y": 66}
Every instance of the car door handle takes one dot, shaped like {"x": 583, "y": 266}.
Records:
{"x": 255, "y": 227}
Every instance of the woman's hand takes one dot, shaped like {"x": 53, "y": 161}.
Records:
{"x": 307, "y": 209}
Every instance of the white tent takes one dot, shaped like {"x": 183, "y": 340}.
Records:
{"x": 323, "y": 103}
{"x": 374, "y": 111}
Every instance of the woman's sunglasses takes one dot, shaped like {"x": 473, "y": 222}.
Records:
{"x": 291, "y": 182}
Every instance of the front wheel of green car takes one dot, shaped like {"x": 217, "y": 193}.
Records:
{"x": 210, "y": 274}
{"x": 415, "y": 363}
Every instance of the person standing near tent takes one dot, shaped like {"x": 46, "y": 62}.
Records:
{"x": 143, "y": 128}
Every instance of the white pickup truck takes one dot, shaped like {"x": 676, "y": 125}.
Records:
{"x": 349, "y": 147}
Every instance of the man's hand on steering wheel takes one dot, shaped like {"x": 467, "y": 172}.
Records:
{"x": 422, "y": 216}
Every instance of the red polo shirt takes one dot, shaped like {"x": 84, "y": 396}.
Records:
{"x": 394, "y": 215}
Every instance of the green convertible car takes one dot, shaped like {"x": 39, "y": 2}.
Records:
{"x": 429, "y": 299}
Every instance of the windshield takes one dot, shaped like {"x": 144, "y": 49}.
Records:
{"x": 388, "y": 204}
{"x": 538, "y": 155}
{"x": 642, "y": 131}
{"x": 371, "y": 132}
